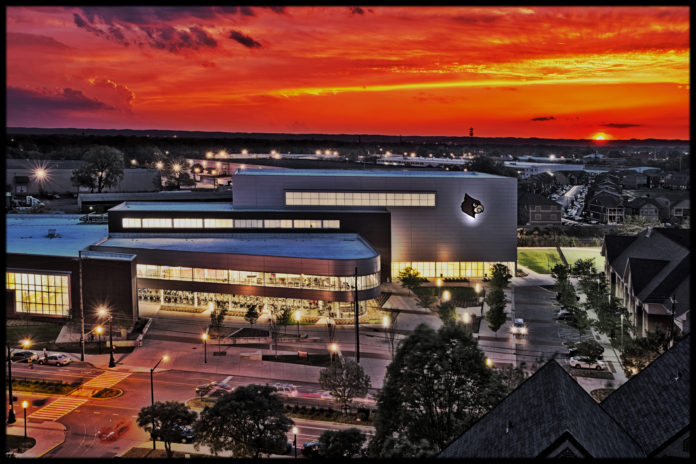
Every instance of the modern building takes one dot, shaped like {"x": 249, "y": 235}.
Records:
{"x": 308, "y": 241}
{"x": 429, "y": 230}
{"x": 650, "y": 273}
{"x": 527, "y": 169}
{"x": 550, "y": 415}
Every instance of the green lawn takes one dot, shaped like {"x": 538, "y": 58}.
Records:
{"x": 538, "y": 260}
{"x": 574, "y": 254}
{"x": 39, "y": 332}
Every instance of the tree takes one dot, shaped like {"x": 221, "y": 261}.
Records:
{"x": 217, "y": 317}
{"x": 252, "y": 315}
{"x": 447, "y": 312}
{"x": 247, "y": 422}
{"x": 589, "y": 350}
{"x": 424, "y": 298}
{"x": 565, "y": 294}
{"x": 500, "y": 276}
{"x": 284, "y": 317}
{"x": 345, "y": 381}
{"x": 495, "y": 316}
{"x": 410, "y": 278}
{"x": 635, "y": 224}
{"x": 102, "y": 168}
{"x": 167, "y": 418}
{"x": 584, "y": 267}
{"x": 436, "y": 387}
{"x": 341, "y": 443}
{"x": 176, "y": 173}
{"x": 560, "y": 272}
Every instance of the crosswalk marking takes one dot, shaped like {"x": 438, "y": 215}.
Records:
{"x": 57, "y": 409}
{"x": 107, "y": 379}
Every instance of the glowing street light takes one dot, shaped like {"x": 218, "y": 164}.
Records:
{"x": 489, "y": 362}
{"x": 26, "y": 343}
{"x": 104, "y": 312}
{"x": 176, "y": 167}
{"x": 446, "y": 295}
{"x": 25, "y": 405}
{"x": 294, "y": 440}
{"x": 297, "y": 318}
{"x": 159, "y": 165}
{"x": 99, "y": 331}
{"x": 40, "y": 173}
{"x": 209, "y": 154}
{"x": 467, "y": 318}
{"x": 134, "y": 162}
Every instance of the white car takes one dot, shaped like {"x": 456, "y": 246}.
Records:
{"x": 578, "y": 363}
{"x": 59, "y": 359}
{"x": 286, "y": 389}
{"x": 518, "y": 327}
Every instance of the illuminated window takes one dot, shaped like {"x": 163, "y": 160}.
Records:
{"x": 286, "y": 223}
{"x": 181, "y": 223}
{"x": 271, "y": 223}
{"x": 447, "y": 269}
{"x": 219, "y": 223}
{"x": 161, "y": 223}
{"x": 332, "y": 224}
{"x": 359, "y": 199}
{"x": 40, "y": 293}
{"x": 248, "y": 223}
{"x": 131, "y": 223}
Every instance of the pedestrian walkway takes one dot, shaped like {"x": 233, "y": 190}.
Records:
{"x": 48, "y": 435}
{"x": 107, "y": 379}
{"x": 57, "y": 409}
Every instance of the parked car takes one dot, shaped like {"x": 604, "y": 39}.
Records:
{"x": 311, "y": 449}
{"x": 563, "y": 314}
{"x": 286, "y": 389}
{"x": 578, "y": 363}
{"x": 58, "y": 359}
{"x": 183, "y": 434}
{"x": 24, "y": 356}
{"x": 518, "y": 328}
{"x": 220, "y": 390}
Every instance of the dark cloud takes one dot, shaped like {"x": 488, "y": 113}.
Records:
{"x": 34, "y": 40}
{"x": 357, "y": 10}
{"x": 276, "y": 9}
{"x": 152, "y": 15}
{"x": 25, "y": 101}
{"x": 244, "y": 40}
{"x": 477, "y": 19}
{"x": 615, "y": 125}
{"x": 544, "y": 118}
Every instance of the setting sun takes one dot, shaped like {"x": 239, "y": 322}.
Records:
{"x": 600, "y": 137}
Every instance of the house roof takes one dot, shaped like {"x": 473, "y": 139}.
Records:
{"x": 529, "y": 198}
{"x": 680, "y": 236}
{"x": 667, "y": 287}
{"x": 654, "y": 405}
{"x": 606, "y": 199}
{"x": 641, "y": 201}
{"x": 544, "y": 408}
{"x": 643, "y": 271}
{"x": 614, "y": 245}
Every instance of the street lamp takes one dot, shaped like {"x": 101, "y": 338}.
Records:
{"x": 294, "y": 440}
{"x": 333, "y": 348}
{"x": 385, "y": 324}
{"x": 102, "y": 313}
{"x": 205, "y": 347}
{"x": 159, "y": 165}
{"x": 489, "y": 362}
{"x": 10, "y": 415}
{"x": 467, "y": 319}
{"x": 297, "y": 318}
{"x": 164, "y": 358}
{"x": 99, "y": 330}
{"x": 25, "y": 404}
{"x": 446, "y": 295}
{"x": 439, "y": 286}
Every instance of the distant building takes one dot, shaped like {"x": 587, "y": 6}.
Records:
{"x": 550, "y": 415}
{"x": 648, "y": 208}
{"x": 650, "y": 273}
{"x": 594, "y": 156}
{"x": 535, "y": 209}
{"x": 676, "y": 181}
{"x": 528, "y": 169}
{"x": 21, "y": 174}
{"x": 604, "y": 201}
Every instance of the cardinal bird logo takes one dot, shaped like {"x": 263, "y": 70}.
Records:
{"x": 471, "y": 206}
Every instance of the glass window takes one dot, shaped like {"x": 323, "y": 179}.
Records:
{"x": 41, "y": 296}
{"x": 159, "y": 223}
{"x": 360, "y": 198}
{"x": 131, "y": 223}
{"x": 332, "y": 224}
{"x": 219, "y": 223}
{"x": 271, "y": 223}
{"x": 286, "y": 223}
{"x": 185, "y": 223}
{"x": 248, "y": 223}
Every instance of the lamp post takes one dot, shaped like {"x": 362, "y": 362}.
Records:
{"x": 99, "y": 330}
{"x": 385, "y": 324}
{"x": 105, "y": 312}
{"x": 25, "y": 404}
{"x": 297, "y": 318}
{"x": 10, "y": 415}
{"x": 152, "y": 394}
{"x": 294, "y": 440}
{"x": 489, "y": 362}
{"x": 446, "y": 295}
{"x": 467, "y": 320}
{"x": 205, "y": 347}
{"x": 333, "y": 348}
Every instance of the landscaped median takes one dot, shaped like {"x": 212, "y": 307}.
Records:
{"x": 44, "y": 386}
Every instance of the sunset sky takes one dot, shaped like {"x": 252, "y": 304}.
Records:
{"x": 552, "y": 72}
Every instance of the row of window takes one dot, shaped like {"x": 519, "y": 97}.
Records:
{"x": 265, "y": 279}
{"x": 447, "y": 269}
{"x": 40, "y": 293}
{"x": 201, "y": 223}
{"x": 359, "y": 199}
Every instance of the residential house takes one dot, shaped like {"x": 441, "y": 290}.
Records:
{"x": 649, "y": 272}
{"x": 676, "y": 180}
{"x": 550, "y": 415}
{"x": 648, "y": 208}
{"x": 604, "y": 201}
{"x": 680, "y": 210}
{"x": 535, "y": 209}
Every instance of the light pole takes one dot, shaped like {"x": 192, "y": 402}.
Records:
{"x": 297, "y": 319}
{"x": 99, "y": 330}
{"x": 294, "y": 440}
{"x": 152, "y": 394}
{"x": 105, "y": 312}
{"x": 25, "y": 404}
{"x": 489, "y": 362}
{"x": 385, "y": 324}
{"x": 446, "y": 296}
{"x": 10, "y": 415}
{"x": 467, "y": 320}
{"x": 333, "y": 348}
{"x": 439, "y": 286}
{"x": 205, "y": 347}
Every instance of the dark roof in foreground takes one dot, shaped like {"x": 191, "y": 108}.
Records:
{"x": 654, "y": 406}
{"x": 545, "y": 407}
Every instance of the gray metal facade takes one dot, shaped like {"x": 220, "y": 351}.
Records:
{"x": 440, "y": 233}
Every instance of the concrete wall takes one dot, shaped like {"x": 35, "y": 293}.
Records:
{"x": 440, "y": 233}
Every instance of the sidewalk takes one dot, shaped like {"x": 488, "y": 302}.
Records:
{"x": 48, "y": 435}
